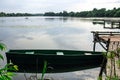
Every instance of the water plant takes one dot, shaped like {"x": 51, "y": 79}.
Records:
{"x": 4, "y": 71}
{"x": 114, "y": 58}
{"x": 44, "y": 70}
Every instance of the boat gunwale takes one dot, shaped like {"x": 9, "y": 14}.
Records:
{"x": 52, "y": 53}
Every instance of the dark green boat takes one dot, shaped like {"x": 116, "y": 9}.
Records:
{"x": 32, "y": 61}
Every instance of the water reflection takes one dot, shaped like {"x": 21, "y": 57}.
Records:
{"x": 48, "y": 32}
{"x": 64, "y": 19}
{"x": 55, "y": 36}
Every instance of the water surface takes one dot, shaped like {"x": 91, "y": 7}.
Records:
{"x": 48, "y": 32}
{"x": 52, "y": 33}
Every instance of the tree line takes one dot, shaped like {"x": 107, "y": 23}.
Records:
{"x": 115, "y": 12}
{"x": 2, "y": 14}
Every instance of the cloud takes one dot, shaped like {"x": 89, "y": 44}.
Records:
{"x": 101, "y": 1}
{"x": 38, "y": 6}
{"x": 90, "y": 4}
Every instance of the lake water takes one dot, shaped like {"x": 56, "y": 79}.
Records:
{"x": 51, "y": 33}
{"x": 48, "y": 32}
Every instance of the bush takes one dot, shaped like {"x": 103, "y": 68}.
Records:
{"x": 4, "y": 71}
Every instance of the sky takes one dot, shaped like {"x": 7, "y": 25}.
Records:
{"x": 42, "y": 6}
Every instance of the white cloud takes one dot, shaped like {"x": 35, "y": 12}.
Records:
{"x": 90, "y": 4}
{"x": 101, "y": 1}
{"x": 55, "y": 5}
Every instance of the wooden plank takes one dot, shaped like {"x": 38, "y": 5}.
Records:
{"x": 115, "y": 38}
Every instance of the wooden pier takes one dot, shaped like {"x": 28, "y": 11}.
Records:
{"x": 113, "y": 24}
{"x": 112, "y": 43}
{"x": 107, "y": 38}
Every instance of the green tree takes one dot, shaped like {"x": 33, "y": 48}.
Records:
{"x": 2, "y": 14}
{"x": 71, "y": 14}
{"x": 94, "y": 12}
{"x": 49, "y": 14}
{"x": 65, "y": 13}
{"x": 117, "y": 14}
{"x": 83, "y": 14}
{"x": 90, "y": 14}
{"x": 112, "y": 12}
{"x": 77, "y": 14}
{"x": 101, "y": 12}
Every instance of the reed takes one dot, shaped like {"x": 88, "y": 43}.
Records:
{"x": 44, "y": 70}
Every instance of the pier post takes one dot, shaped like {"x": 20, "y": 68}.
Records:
{"x": 119, "y": 25}
{"x": 104, "y": 23}
{"x": 112, "y": 23}
{"x": 94, "y": 46}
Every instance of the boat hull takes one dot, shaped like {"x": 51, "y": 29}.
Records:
{"x": 68, "y": 61}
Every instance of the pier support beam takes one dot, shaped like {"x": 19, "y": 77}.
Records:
{"x": 94, "y": 46}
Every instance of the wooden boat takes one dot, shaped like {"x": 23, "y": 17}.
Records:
{"x": 32, "y": 61}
